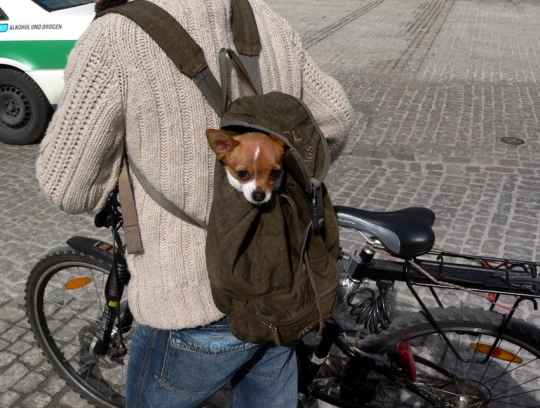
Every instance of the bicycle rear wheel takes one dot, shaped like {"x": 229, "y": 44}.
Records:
{"x": 510, "y": 378}
{"x": 65, "y": 301}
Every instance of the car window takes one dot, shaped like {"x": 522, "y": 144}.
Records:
{"x": 53, "y": 5}
{"x": 3, "y": 15}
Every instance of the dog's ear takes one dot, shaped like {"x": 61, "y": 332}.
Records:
{"x": 220, "y": 142}
{"x": 278, "y": 140}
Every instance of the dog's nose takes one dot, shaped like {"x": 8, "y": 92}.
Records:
{"x": 258, "y": 195}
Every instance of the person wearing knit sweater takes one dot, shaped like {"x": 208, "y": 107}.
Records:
{"x": 123, "y": 93}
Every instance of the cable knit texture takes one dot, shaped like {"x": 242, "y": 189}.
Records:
{"x": 122, "y": 91}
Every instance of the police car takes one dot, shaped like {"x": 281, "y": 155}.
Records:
{"x": 36, "y": 36}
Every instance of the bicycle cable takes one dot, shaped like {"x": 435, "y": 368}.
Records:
{"x": 375, "y": 311}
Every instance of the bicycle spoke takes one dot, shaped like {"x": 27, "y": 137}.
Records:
{"x": 480, "y": 381}
{"x": 69, "y": 298}
{"x": 75, "y": 312}
{"x": 475, "y": 382}
{"x": 98, "y": 291}
{"x": 515, "y": 387}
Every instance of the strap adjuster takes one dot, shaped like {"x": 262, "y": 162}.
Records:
{"x": 317, "y": 206}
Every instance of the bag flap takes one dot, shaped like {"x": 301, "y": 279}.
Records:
{"x": 287, "y": 117}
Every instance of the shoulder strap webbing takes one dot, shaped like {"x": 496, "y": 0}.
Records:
{"x": 228, "y": 59}
{"x": 129, "y": 212}
{"x": 163, "y": 201}
{"x": 185, "y": 53}
{"x": 176, "y": 42}
{"x": 244, "y": 29}
{"x": 189, "y": 58}
{"x": 166, "y": 32}
{"x": 247, "y": 40}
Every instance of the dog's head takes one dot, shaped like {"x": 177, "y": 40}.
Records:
{"x": 253, "y": 161}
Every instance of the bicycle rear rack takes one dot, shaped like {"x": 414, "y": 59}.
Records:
{"x": 492, "y": 275}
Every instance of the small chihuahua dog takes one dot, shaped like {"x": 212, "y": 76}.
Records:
{"x": 253, "y": 162}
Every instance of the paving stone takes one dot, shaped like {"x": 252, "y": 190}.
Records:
{"x": 3, "y": 324}
{"x": 44, "y": 367}
{"x": 20, "y": 347}
{"x": 8, "y": 398}
{"x": 6, "y": 358}
{"x": 53, "y": 386}
{"x": 32, "y": 357}
{"x": 11, "y": 313}
{"x": 28, "y": 383}
{"x": 36, "y": 400}
{"x": 72, "y": 399}
{"x": 3, "y": 344}
{"x": 11, "y": 376}
{"x": 13, "y": 334}
{"x": 491, "y": 246}
{"x": 29, "y": 337}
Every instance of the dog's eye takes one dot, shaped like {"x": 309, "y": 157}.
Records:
{"x": 274, "y": 174}
{"x": 243, "y": 175}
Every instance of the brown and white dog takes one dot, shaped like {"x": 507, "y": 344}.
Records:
{"x": 253, "y": 161}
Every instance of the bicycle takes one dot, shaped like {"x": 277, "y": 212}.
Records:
{"x": 437, "y": 357}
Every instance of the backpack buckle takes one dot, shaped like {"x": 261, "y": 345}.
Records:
{"x": 317, "y": 207}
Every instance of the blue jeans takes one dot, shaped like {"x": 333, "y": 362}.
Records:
{"x": 181, "y": 368}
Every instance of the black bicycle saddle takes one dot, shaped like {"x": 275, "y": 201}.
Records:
{"x": 405, "y": 233}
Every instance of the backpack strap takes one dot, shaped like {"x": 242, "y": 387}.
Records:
{"x": 186, "y": 54}
{"x": 247, "y": 40}
{"x": 176, "y": 42}
{"x": 228, "y": 59}
{"x": 244, "y": 29}
{"x": 163, "y": 201}
{"x": 189, "y": 58}
{"x": 129, "y": 211}
{"x": 246, "y": 60}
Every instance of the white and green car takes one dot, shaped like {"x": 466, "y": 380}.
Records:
{"x": 36, "y": 37}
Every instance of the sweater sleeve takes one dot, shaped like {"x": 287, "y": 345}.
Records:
{"x": 327, "y": 101}
{"x": 80, "y": 155}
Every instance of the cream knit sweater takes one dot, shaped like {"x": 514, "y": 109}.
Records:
{"x": 122, "y": 91}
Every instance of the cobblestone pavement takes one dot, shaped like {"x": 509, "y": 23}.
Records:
{"x": 443, "y": 90}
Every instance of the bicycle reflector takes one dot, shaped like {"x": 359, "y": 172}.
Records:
{"x": 406, "y": 358}
{"x": 77, "y": 283}
{"x": 498, "y": 353}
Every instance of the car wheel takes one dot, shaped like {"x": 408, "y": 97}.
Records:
{"x": 25, "y": 111}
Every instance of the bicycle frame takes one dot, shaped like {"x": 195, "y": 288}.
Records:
{"x": 331, "y": 335}
{"x": 492, "y": 275}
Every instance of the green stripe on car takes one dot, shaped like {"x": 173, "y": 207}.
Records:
{"x": 39, "y": 54}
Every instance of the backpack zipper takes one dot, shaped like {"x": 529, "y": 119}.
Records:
{"x": 275, "y": 327}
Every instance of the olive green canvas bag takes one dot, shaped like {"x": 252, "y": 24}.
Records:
{"x": 272, "y": 268}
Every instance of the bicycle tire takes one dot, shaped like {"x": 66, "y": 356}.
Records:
{"x": 495, "y": 383}
{"x": 63, "y": 320}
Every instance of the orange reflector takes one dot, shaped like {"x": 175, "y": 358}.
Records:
{"x": 497, "y": 353}
{"x": 77, "y": 283}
